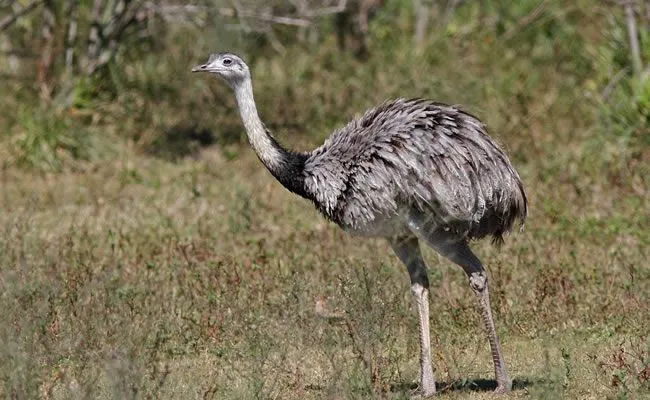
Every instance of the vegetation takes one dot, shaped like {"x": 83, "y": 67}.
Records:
{"x": 146, "y": 253}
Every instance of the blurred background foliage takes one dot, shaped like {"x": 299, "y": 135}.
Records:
{"x": 120, "y": 69}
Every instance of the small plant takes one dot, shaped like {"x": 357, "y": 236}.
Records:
{"x": 628, "y": 367}
{"x": 46, "y": 140}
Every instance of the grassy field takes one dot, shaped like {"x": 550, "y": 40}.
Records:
{"x": 135, "y": 263}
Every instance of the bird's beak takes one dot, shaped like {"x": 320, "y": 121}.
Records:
{"x": 200, "y": 68}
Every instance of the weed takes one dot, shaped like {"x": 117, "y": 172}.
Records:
{"x": 628, "y": 367}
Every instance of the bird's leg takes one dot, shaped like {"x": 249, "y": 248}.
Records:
{"x": 427, "y": 379}
{"x": 458, "y": 251}
{"x": 478, "y": 281}
{"x": 408, "y": 251}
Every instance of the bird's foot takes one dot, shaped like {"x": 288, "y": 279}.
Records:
{"x": 418, "y": 395}
{"x": 503, "y": 387}
{"x": 422, "y": 393}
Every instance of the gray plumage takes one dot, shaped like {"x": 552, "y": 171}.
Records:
{"x": 416, "y": 153}
{"x": 410, "y": 171}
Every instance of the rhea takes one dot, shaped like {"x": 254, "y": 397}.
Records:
{"x": 409, "y": 171}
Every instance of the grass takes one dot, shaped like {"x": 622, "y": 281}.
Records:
{"x": 127, "y": 271}
{"x": 207, "y": 279}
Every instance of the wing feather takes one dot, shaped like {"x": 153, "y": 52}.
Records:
{"x": 416, "y": 153}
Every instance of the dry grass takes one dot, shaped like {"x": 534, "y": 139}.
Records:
{"x": 124, "y": 275}
{"x": 207, "y": 279}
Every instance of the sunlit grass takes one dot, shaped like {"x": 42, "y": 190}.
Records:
{"x": 134, "y": 264}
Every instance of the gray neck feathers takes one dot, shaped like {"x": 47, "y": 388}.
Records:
{"x": 286, "y": 166}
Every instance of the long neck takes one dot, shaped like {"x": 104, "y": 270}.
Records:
{"x": 286, "y": 166}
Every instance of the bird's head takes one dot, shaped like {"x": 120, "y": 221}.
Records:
{"x": 230, "y": 67}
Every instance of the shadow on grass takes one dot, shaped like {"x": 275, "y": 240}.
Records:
{"x": 474, "y": 385}
{"x": 181, "y": 140}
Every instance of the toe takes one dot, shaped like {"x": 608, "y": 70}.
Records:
{"x": 503, "y": 388}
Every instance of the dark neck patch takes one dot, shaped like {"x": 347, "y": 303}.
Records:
{"x": 290, "y": 170}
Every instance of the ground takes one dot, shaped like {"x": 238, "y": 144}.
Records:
{"x": 207, "y": 279}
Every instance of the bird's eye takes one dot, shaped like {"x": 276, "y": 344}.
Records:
{"x": 227, "y": 61}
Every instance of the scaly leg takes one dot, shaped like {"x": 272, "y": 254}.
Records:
{"x": 458, "y": 251}
{"x": 408, "y": 251}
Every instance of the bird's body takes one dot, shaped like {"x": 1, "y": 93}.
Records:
{"x": 415, "y": 154}
{"x": 409, "y": 171}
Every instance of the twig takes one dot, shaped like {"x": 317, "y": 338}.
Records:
{"x": 273, "y": 40}
{"x": 452, "y": 5}
{"x": 71, "y": 37}
{"x": 47, "y": 51}
{"x": 94, "y": 36}
{"x": 10, "y": 19}
{"x": 122, "y": 15}
{"x": 607, "y": 91}
{"x": 304, "y": 15}
{"x": 321, "y": 12}
{"x": 14, "y": 77}
{"x": 22, "y": 53}
{"x": 528, "y": 19}
{"x": 238, "y": 11}
{"x": 104, "y": 37}
{"x": 423, "y": 10}
{"x": 634, "y": 37}
{"x": 276, "y": 19}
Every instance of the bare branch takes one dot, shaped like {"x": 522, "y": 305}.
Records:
{"x": 423, "y": 12}
{"x": 47, "y": 51}
{"x": 71, "y": 16}
{"x": 122, "y": 15}
{"x": 94, "y": 36}
{"x": 321, "y": 12}
{"x": 525, "y": 21}
{"x": 607, "y": 91}
{"x": 276, "y": 19}
{"x": 452, "y": 5}
{"x": 304, "y": 16}
{"x": 633, "y": 34}
{"x": 105, "y": 36}
{"x": 10, "y": 19}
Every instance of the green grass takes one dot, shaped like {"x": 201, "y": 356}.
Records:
{"x": 134, "y": 264}
{"x": 203, "y": 279}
